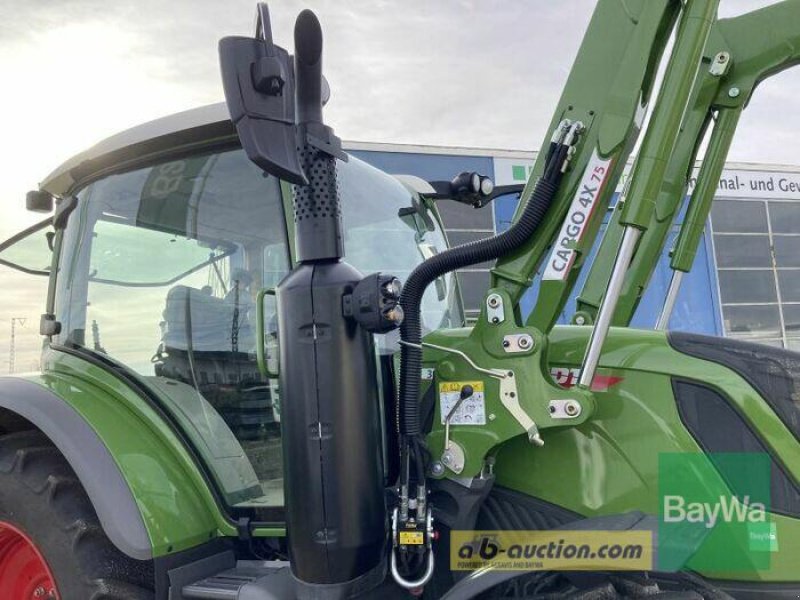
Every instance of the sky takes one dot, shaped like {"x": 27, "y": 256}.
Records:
{"x": 482, "y": 73}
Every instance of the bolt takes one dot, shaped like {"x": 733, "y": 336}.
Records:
{"x": 437, "y": 469}
{"x": 495, "y": 320}
{"x": 492, "y": 417}
{"x": 39, "y": 592}
{"x": 734, "y": 92}
{"x": 534, "y": 437}
{"x": 447, "y": 458}
{"x": 552, "y": 409}
{"x": 571, "y": 408}
{"x": 722, "y": 57}
{"x": 524, "y": 342}
{"x": 512, "y": 395}
{"x": 506, "y": 343}
{"x": 494, "y": 301}
{"x": 580, "y": 320}
{"x": 510, "y": 373}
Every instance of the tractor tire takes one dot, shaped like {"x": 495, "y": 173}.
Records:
{"x": 52, "y": 546}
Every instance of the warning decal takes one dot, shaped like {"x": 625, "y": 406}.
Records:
{"x": 412, "y": 538}
{"x": 472, "y": 410}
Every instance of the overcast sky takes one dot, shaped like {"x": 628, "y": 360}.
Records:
{"x": 483, "y": 73}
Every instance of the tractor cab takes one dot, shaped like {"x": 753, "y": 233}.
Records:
{"x": 166, "y": 239}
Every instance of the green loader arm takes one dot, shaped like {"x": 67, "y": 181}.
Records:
{"x": 608, "y": 91}
{"x": 734, "y": 62}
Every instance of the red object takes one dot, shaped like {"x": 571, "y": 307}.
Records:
{"x": 601, "y": 383}
{"x": 24, "y": 574}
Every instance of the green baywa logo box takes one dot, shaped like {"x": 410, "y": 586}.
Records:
{"x": 714, "y": 512}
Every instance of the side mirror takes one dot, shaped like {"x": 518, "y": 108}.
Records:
{"x": 31, "y": 250}
{"x": 39, "y": 201}
{"x": 267, "y": 353}
{"x": 258, "y": 79}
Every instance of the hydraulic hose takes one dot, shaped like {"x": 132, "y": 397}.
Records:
{"x": 460, "y": 257}
{"x": 413, "y": 450}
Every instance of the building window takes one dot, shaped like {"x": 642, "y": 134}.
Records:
{"x": 757, "y": 248}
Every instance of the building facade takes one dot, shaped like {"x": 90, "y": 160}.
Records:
{"x": 746, "y": 278}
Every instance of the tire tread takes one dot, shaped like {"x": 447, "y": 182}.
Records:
{"x": 105, "y": 573}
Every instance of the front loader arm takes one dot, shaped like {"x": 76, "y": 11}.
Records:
{"x": 741, "y": 52}
{"x": 509, "y": 384}
{"x": 500, "y": 366}
{"x": 670, "y": 197}
{"x": 517, "y": 393}
{"x": 608, "y": 90}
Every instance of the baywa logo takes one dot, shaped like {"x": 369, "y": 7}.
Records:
{"x": 730, "y": 509}
{"x": 715, "y": 512}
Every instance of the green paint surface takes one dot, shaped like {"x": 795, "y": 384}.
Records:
{"x": 714, "y": 511}
{"x": 177, "y": 506}
{"x": 611, "y": 463}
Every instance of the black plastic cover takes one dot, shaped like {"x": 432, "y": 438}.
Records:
{"x": 258, "y": 79}
{"x": 39, "y": 201}
{"x": 718, "y": 427}
{"x": 331, "y": 426}
{"x": 773, "y": 372}
{"x": 317, "y": 208}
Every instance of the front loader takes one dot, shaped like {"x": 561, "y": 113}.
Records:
{"x": 257, "y": 381}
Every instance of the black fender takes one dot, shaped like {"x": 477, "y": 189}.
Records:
{"x": 88, "y": 456}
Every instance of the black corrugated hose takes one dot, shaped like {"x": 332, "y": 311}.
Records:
{"x": 450, "y": 260}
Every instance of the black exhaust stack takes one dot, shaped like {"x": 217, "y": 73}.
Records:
{"x": 330, "y": 417}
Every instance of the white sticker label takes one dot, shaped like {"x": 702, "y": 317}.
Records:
{"x": 472, "y": 410}
{"x": 580, "y": 213}
{"x": 565, "y": 376}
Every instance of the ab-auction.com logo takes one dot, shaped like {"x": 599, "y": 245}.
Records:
{"x": 551, "y": 550}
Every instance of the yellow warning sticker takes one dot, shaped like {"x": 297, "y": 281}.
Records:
{"x": 455, "y": 386}
{"x": 412, "y": 538}
{"x": 472, "y": 411}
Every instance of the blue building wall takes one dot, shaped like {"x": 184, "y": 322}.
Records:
{"x": 696, "y": 310}
{"x": 697, "y": 307}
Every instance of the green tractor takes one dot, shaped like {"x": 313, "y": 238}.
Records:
{"x": 229, "y": 408}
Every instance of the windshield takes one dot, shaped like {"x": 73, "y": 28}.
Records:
{"x": 160, "y": 270}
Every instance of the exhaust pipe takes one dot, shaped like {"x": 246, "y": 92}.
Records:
{"x": 332, "y": 461}
{"x": 336, "y": 516}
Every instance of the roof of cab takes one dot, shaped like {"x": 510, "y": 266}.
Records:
{"x": 180, "y": 133}
{"x": 198, "y": 126}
